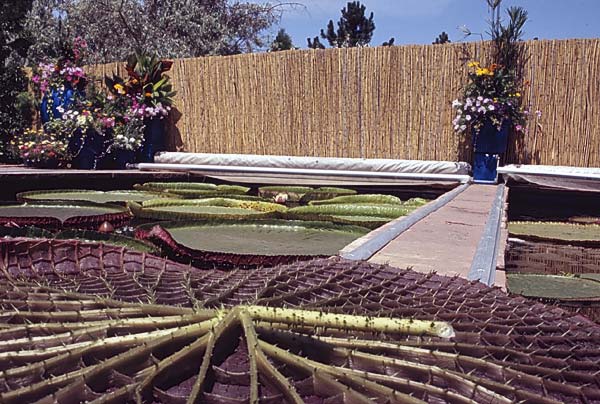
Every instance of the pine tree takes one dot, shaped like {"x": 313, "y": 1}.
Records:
{"x": 353, "y": 29}
{"x": 442, "y": 39}
{"x": 283, "y": 41}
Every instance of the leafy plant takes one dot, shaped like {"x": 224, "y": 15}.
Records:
{"x": 493, "y": 92}
{"x": 147, "y": 85}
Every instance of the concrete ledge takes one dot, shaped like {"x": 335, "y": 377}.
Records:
{"x": 483, "y": 267}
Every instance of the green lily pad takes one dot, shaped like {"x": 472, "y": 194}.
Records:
{"x": 294, "y": 193}
{"x": 250, "y": 242}
{"x": 325, "y": 193}
{"x": 73, "y": 195}
{"x": 390, "y": 211}
{"x": 209, "y": 208}
{"x": 564, "y": 288}
{"x": 569, "y": 233}
{"x": 370, "y": 199}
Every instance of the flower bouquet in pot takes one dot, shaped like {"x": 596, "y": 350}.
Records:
{"x": 148, "y": 92}
{"x": 491, "y": 104}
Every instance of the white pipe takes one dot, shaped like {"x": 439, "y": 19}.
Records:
{"x": 300, "y": 171}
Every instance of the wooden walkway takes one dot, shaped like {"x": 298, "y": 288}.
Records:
{"x": 446, "y": 240}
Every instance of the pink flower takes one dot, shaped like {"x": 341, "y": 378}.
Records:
{"x": 519, "y": 128}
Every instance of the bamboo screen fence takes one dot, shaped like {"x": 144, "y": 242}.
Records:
{"x": 386, "y": 102}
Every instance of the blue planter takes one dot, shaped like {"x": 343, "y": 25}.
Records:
{"x": 488, "y": 143}
{"x": 123, "y": 157}
{"x": 491, "y": 140}
{"x": 56, "y": 98}
{"x": 87, "y": 149}
{"x": 154, "y": 140}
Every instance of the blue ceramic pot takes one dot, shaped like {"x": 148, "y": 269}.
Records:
{"x": 154, "y": 140}
{"x": 491, "y": 140}
{"x": 51, "y": 102}
{"x": 123, "y": 157}
{"x": 488, "y": 143}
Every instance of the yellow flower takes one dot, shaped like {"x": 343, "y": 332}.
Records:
{"x": 473, "y": 64}
{"x": 517, "y": 94}
{"x": 120, "y": 89}
{"x": 484, "y": 72}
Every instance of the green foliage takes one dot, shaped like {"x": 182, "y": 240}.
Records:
{"x": 168, "y": 28}
{"x": 15, "y": 105}
{"x": 282, "y": 42}
{"x": 354, "y": 29}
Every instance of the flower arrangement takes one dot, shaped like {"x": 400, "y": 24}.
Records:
{"x": 66, "y": 71}
{"x": 41, "y": 149}
{"x": 147, "y": 87}
{"x": 492, "y": 94}
{"x": 128, "y": 135}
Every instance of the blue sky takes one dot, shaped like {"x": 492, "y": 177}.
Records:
{"x": 420, "y": 21}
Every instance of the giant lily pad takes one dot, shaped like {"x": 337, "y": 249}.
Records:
{"x": 556, "y": 232}
{"x": 582, "y": 287}
{"x": 249, "y": 243}
{"x": 84, "y": 323}
{"x": 369, "y": 199}
{"x": 208, "y": 208}
{"x": 55, "y": 215}
{"x": 74, "y": 195}
{"x": 192, "y": 189}
{"x": 391, "y": 211}
{"x": 294, "y": 193}
{"x": 325, "y": 193}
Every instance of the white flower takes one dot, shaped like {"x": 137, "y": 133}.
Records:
{"x": 119, "y": 137}
{"x": 491, "y": 107}
{"x": 482, "y": 109}
{"x": 132, "y": 139}
{"x": 456, "y": 103}
{"x": 473, "y": 109}
{"x": 486, "y": 100}
{"x": 468, "y": 117}
{"x": 463, "y": 127}
{"x": 480, "y": 98}
{"x": 456, "y": 127}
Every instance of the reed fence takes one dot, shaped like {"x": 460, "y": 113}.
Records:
{"x": 384, "y": 102}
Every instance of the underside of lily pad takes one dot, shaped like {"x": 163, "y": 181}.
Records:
{"x": 58, "y": 215}
{"x": 247, "y": 243}
{"x": 74, "y": 195}
{"x": 84, "y": 323}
